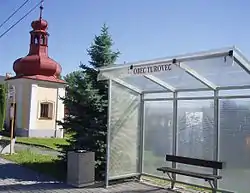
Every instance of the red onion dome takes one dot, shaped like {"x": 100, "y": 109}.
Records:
{"x": 40, "y": 24}
{"x": 58, "y": 70}
{"x": 36, "y": 65}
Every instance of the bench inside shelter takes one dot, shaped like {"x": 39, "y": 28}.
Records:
{"x": 210, "y": 178}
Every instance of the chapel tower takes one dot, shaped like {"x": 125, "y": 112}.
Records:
{"x": 38, "y": 87}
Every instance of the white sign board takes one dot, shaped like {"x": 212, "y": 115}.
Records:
{"x": 11, "y": 93}
{"x": 149, "y": 69}
{"x": 12, "y": 112}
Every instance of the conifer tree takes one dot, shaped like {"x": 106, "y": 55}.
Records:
{"x": 86, "y": 101}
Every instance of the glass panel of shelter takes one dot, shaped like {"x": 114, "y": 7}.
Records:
{"x": 177, "y": 77}
{"x": 180, "y": 79}
{"x": 140, "y": 82}
{"x": 222, "y": 71}
{"x": 196, "y": 118}
{"x": 143, "y": 83}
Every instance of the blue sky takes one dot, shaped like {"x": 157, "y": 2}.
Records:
{"x": 141, "y": 29}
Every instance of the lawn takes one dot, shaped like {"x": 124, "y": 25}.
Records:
{"x": 44, "y": 164}
{"x": 52, "y": 143}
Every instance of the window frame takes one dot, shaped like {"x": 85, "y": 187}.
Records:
{"x": 50, "y": 110}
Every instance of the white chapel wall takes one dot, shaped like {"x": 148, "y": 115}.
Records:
{"x": 46, "y": 94}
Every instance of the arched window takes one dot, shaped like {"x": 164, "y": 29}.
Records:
{"x": 43, "y": 39}
{"x": 37, "y": 40}
{"x": 46, "y": 110}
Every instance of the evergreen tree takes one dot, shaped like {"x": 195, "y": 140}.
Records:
{"x": 2, "y": 104}
{"x": 86, "y": 101}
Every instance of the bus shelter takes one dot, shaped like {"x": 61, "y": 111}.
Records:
{"x": 195, "y": 105}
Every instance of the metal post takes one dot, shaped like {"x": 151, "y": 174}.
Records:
{"x": 108, "y": 133}
{"x": 11, "y": 131}
{"x": 142, "y": 131}
{"x": 57, "y": 98}
{"x": 175, "y": 119}
{"x": 216, "y": 133}
{"x": 12, "y": 117}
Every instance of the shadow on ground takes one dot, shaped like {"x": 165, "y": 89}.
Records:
{"x": 15, "y": 178}
{"x": 26, "y": 172}
{"x": 55, "y": 169}
{"x": 51, "y": 187}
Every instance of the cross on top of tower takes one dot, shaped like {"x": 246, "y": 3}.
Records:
{"x": 40, "y": 24}
{"x": 41, "y": 9}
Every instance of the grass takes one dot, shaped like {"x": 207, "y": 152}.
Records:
{"x": 44, "y": 164}
{"x": 51, "y": 143}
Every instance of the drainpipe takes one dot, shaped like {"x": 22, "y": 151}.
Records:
{"x": 56, "y": 109}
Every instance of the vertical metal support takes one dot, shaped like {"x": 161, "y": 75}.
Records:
{"x": 56, "y": 110}
{"x": 142, "y": 131}
{"x": 216, "y": 133}
{"x": 175, "y": 119}
{"x": 12, "y": 118}
{"x": 108, "y": 133}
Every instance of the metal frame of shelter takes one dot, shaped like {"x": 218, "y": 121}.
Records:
{"x": 120, "y": 74}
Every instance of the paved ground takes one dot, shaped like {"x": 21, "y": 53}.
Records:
{"x": 17, "y": 179}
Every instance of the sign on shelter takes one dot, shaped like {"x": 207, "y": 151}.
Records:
{"x": 140, "y": 70}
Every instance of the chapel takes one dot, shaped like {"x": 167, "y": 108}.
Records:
{"x": 36, "y": 88}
